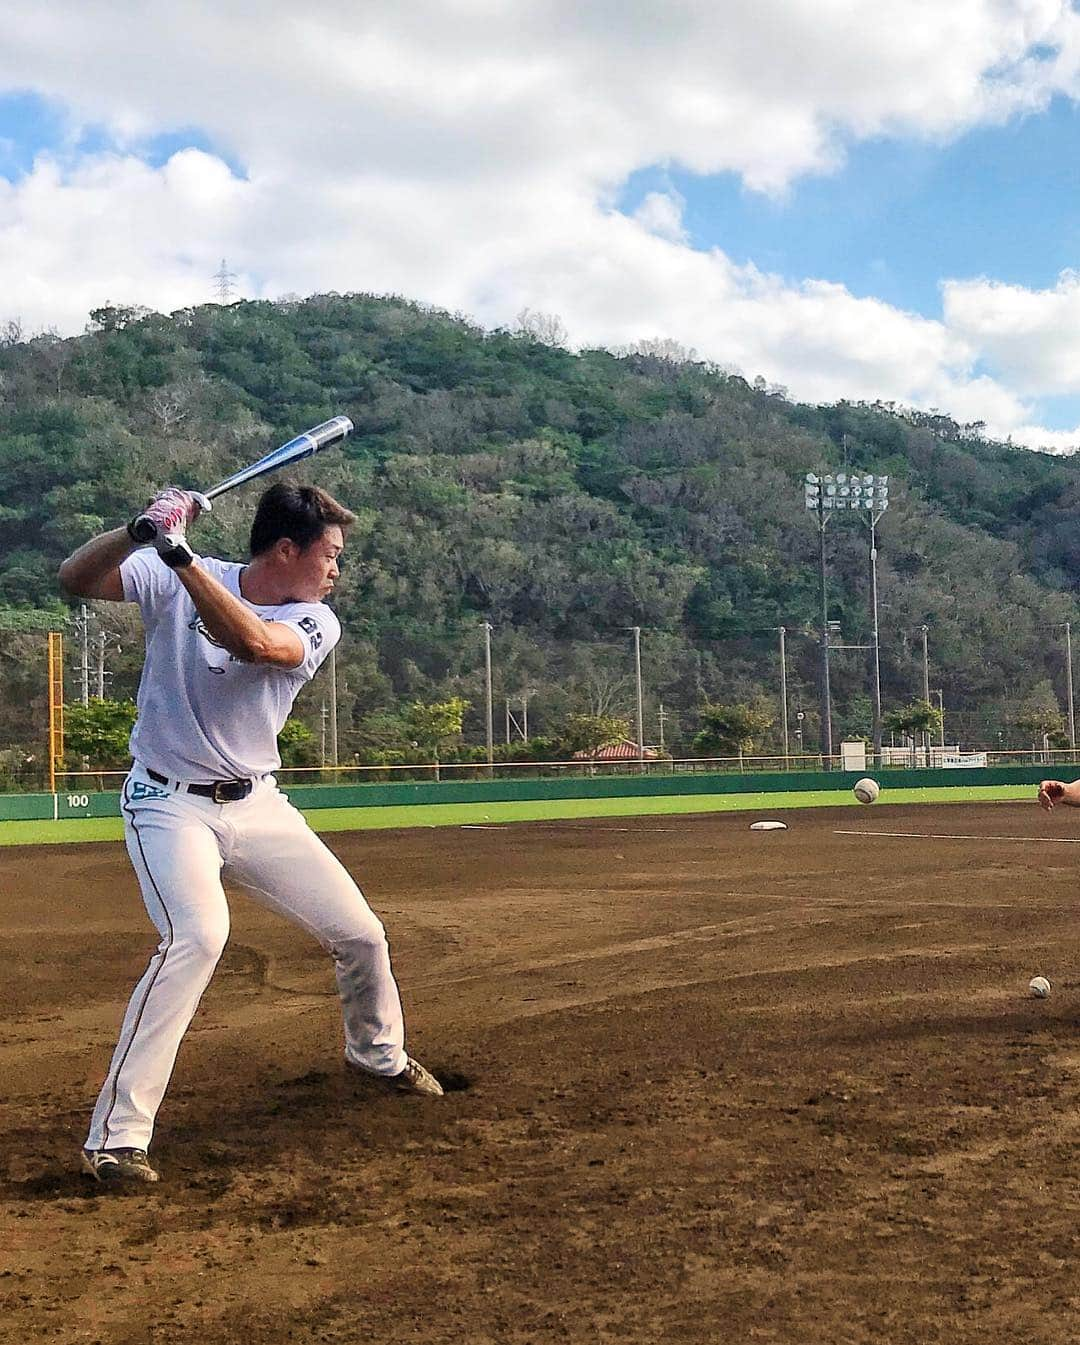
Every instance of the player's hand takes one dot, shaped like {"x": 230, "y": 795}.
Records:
{"x": 169, "y": 513}
{"x": 1051, "y": 792}
{"x": 173, "y": 548}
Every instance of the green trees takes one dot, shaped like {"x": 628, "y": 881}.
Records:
{"x": 1039, "y": 716}
{"x": 561, "y": 497}
{"x": 731, "y": 730}
{"x": 297, "y": 745}
{"x": 435, "y": 726}
{"x": 98, "y": 732}
{"x": 585, "y": 733}
{"x": 918, "y": 718}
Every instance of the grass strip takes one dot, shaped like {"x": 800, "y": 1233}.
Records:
{"x": 78, "y": 830}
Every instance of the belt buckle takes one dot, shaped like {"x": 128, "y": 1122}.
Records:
{"x": 218, "y": 796}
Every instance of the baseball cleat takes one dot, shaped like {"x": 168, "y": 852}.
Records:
{"x": 414, "y": 1078}
{"x": 118, "y": 1167}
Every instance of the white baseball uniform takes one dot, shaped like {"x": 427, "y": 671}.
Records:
{"x": 204, "y": 717}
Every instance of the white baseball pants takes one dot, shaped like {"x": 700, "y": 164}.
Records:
{"x": 181, "y": 846}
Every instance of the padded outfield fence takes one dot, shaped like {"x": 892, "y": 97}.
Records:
{"x": 78, "y": 803}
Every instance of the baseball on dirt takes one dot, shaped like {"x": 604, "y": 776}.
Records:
{"x": 1039, "y": 987}
{"x": 865, "y": 790}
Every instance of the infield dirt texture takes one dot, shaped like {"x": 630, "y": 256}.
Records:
{"x": 724, "y": 1086}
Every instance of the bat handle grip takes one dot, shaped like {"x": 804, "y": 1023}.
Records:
{"x": 142, "y": 529}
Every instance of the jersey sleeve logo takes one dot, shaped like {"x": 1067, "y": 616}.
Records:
{"x": 314, "y": 634}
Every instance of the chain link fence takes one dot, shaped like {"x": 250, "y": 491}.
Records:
{"x": 1056, "y": 762}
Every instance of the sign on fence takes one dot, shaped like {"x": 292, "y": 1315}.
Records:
{"x": 80, "y": 803}
{"x": 953, "y": 760}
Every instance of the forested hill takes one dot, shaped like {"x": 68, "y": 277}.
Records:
{"x": 561, "y": 497}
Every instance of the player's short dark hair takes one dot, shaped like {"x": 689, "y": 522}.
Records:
{"x": 301, "y": 513}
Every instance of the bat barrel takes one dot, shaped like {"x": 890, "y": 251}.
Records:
{"x": 303, "y": 446}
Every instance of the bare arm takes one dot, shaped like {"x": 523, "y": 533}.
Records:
{"x": 94, "y": 570}
{"x": 1057, "y": 791}
{"x": 236, "y": 627}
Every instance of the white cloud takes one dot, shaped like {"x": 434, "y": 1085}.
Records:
{"x": 457, "y": 86}
{"x": 468, "y": 153}
{"x": 660, "y": 213}
{"x": 1029, "y": 337}
{"x": 116, "y": 229}
{"x": 1052, "y": 441}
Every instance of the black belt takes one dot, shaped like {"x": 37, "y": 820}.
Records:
{"x": 221, "y": 791}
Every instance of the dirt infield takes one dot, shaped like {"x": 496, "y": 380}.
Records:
{"x": 721, "y": 1086}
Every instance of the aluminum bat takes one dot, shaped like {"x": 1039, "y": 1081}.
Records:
{"x": 305, "y": 445}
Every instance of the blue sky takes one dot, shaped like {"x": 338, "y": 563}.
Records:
{"x": 870, "y": 199}
{"x": 901, "y": 216}
{"x": 1001, "y": 201}
{"x": 31, "y": 124}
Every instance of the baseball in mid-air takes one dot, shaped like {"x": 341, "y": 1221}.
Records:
{"x": 1039, "y": 987}
{"x": 866, "y": 790}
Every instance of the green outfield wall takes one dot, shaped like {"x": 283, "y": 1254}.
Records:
{"x": 30, "y": 807}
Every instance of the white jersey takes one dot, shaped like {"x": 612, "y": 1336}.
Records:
{"x": 203, "y": 713}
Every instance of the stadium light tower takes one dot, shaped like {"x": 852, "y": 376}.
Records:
{"x": 820, "y": 497}
{"x": 875, "y": 500}
{"x": 868, "y": 496}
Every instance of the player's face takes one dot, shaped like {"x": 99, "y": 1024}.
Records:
{"x": 315, "y": 569}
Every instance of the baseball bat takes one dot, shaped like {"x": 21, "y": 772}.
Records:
{"x": 305, "y": 445}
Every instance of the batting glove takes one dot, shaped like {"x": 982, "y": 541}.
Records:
{"x": 168, "y": 514}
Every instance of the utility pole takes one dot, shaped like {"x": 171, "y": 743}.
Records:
{"x": 1069, "y": 684}
{"x": 489, "y": 724}
{"x": 84, "y": 650}
{"x": 926, "y": 686}
{"x": 101, "y": 643}
{"x": 925, "y": 665}
{"x": 783, "y": 689}
{"x": 941, "y": 716}
{"x": 640, "y": 706}
{"x": 662, "y": 717}
{"x": 333, "y": 709}
{"x": 322, "y": 741}
{"x": 513, "y": 724}
{"x": 101, "y": 665}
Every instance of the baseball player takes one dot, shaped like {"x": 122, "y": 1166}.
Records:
{"x": 228, "y": 647}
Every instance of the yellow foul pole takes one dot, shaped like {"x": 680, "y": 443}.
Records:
{"x": 56, "y": 706}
